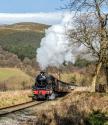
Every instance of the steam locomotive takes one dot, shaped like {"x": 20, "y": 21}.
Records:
{"x": 44, "y": 87}
{"x": 48, "y": 87}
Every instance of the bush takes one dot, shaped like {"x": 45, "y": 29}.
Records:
{"x": 81, "y": 62}
{"x": 96, "y": 118}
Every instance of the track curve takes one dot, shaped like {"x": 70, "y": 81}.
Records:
{"x": 11, "y": 109}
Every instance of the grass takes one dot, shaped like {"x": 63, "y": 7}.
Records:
{"x": 76, "y": 77}
{"x": 6, "y": 73}
{"x": 77, "y": 108}
{"x": 14, "y": 78}
{"x": 10, "y": 98}
{"x": 97, "y": 118}
{"x": 82, "y": 79}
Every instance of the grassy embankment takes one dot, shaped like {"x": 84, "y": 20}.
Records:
{"x": 13, "y": 78}
{"x": 82, "y": 79}
{"x": 14, "y": 97}
{"x": 77, "y": 108}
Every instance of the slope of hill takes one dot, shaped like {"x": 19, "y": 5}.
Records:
{"x": 14, "y": 78}
{"x": 26, "y": 26}
{"x": 8, "y": 59}
{"x": 22, "y": 38}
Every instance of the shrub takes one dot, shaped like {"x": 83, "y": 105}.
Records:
{"x": 96, "y": 118}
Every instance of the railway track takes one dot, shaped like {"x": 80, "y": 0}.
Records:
{"x": 11, "y": 109}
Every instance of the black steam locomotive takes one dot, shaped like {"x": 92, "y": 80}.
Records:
{"x": 48, "y": 87}
{"x": 44, "y": 87}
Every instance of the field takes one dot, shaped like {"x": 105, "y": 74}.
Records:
{"x": 13, "y": 78}
{"x": 10, "y": 98}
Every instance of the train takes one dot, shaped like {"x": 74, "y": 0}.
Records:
{"x": 48, "y": 87}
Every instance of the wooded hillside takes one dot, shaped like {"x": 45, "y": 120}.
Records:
{"x": 22, "y": 39}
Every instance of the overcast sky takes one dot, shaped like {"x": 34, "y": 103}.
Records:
{"x": 50, "y": 18}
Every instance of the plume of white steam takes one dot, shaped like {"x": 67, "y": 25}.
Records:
{"x": 55, "y": 48}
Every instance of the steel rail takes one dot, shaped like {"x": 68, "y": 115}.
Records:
{"x": 18, "y": 107}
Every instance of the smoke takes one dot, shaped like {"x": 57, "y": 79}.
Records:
{"x": 55, "y": 48}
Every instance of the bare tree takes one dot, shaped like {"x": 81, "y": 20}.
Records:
{"x": 91, "y": 30}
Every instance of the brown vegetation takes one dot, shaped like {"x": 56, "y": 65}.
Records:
{"x": 10, "y": 98}
{"x": 8, "y": 59}
{"x": 11, "y": 60}
{"x": 26, "y": 26}
{"x": 13, "y": 79}
{"x": 74, "y": 109}
{"x": 90, "y": 29}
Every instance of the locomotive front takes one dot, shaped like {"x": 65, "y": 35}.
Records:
{"x": 43, "y": 88}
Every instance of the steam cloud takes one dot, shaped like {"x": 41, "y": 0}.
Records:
{"x": 55, "y": 48}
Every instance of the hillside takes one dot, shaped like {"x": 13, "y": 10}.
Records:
{"x": 8, "y": 59}
{"x": 22, "y": 39}
{"x": 13, "y": 78}
{"x": 26, "y": 26}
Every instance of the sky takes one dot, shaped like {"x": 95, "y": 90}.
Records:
{"x": 49, "y": 18}
{"x": 29, "y": 6}
{"x": 39, "y": 11}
